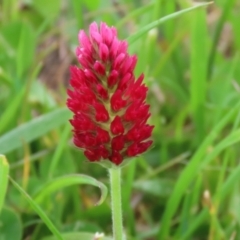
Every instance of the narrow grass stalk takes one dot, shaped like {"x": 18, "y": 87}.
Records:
{"x": 38, "y": 210}
{"x": 198, "y": 71}
{"x": 4, "y": 170}
{"x": 59, "y": 150}
{"x": 116, "y": 203}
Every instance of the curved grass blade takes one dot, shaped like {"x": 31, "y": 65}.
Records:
{"x": 38, "y": 210}
{"x": 156, "y": 23}
{"x": 4, "y": 170}
{"x": 69, "y": 180}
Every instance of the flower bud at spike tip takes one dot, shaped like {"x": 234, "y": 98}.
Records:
{"x": 108, "y": 101}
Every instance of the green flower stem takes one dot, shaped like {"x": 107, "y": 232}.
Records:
{"x": 116, "y": 203}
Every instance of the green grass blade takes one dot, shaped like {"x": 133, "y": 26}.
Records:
{"x": 198, "y": 70}
{"x": 201, "y": 217}
{"x": 156, "y": 23}
{"x": 231, "y": 139}
{"x": 60, "y": 148}
{"x": 78, "y": 12}
{"x": 25, "y": 51}
{"x": 168, "y": 54}
{"x": 222, "y": 189}
{"x": 11, "y": 110}
{"x": 38, "y": 210}
{"x": 228, "y": 5}
{"x": 4, "y": 76}
{"x": 4, "y": 170}
{"x": 8, "y": 9}
{"x": 134, "y": 14}
{"x": 33, "y": 129}
{"x": 230, "y": 183}
{"x": 79, "y": 236}
{"x": 69, "y": 180}
{"x": 189, "y": 173}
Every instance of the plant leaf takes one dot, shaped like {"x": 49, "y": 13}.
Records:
{"x": 156, "y": 23}
{"x": 38, "y": 210}
{"x": 69, "y": 180}
{"x": 4, "y": 170}
{"x": 33, "y": 129}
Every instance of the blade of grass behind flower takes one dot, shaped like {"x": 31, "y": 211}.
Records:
{"x": 230, "y": 140}
{"x": 198, "y": 70}
{"x": 60, "y": 148}
{"x": 217, "y": 197}
{"x": 4, "y": 170}
{"x": 201, "y": 217}
{"x": 191, "y": 199}
{"x": 223, "y": 190}
{"x": 33, "y": 129}
{"x": 189, "y": 173}
{"x": 8, "y": 10}
{"x": 156, "y": 23}
{"x": 167, "y": 54}
{"x": 78, "y": 11}
{"x": 27, "y": 87}
{"x": 11, "y": 110}
{"x": 227, "y": 7}
{"x": 133, "y": 14}
{"x": 38, "y": 210}
{"x": 169, "y": 26}
{"x": 229, "y": 184}
{"x": 25, "y": 50}
{"x": 4, "y": 76}
{"x": 233, "y": 138}
{"x": 224, "y": 187}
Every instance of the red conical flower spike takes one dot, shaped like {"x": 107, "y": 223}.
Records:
{"x": 110, "y": 112}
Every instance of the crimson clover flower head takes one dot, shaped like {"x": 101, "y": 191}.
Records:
{"x": 108, "y": 102}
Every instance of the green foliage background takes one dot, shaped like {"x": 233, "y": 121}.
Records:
{"x": 186, "y": 186}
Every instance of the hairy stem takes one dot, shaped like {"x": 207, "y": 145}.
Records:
{"x": 116, "y": 203}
